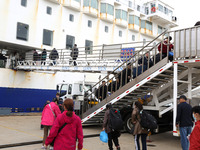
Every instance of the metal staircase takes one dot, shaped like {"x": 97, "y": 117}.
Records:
{"x": 164, "y": 80}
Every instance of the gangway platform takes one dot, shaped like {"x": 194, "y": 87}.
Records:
{"x": 144, "y": 74}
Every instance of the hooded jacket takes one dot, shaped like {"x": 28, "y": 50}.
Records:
{"x": 136, "y": 121}
{"x": 48, "y": 117}
{"x": 195, "y": 138}
{"x": 66, "y": 138}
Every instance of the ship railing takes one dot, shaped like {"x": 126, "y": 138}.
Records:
{"x": 102, "y": 55}
{"x": 131, "y": 68}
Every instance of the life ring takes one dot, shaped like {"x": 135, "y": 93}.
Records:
{"x": 153, "y": 9}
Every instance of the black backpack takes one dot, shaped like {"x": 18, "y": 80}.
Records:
{"x": 148, "y": 121}
{"x": 116, "y": 122}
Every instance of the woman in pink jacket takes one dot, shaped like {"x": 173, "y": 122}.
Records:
{"x": 49, "y": 114}
{"x": 66, "y": 138}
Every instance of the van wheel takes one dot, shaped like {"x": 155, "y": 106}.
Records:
{"x": 128, "y": 123}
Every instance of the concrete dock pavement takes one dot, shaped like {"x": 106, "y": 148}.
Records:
{"x": 19, "y": 129}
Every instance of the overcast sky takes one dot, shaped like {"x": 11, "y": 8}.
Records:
{"x": 187, "y": 12}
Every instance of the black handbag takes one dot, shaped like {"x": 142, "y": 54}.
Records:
{"x": 52, "y": 143}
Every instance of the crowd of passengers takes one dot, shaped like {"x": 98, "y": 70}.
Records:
{"x": 130, "y": 72}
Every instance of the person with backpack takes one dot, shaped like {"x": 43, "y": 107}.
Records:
{"x": 54, "y": 55}
{"x": 139, "y": 131}
{"x": 108, "y": 126}
{"x": 66, "y": 130}
{"x": 49, "y": 114}
{"x": 43, "y": 56}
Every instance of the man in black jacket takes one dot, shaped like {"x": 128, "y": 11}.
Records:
{"x": 54, "y": 55}
{"x": 145, "y": 61}
{"x": 125, "y": 75}
{"x": 184, "y": 121}
{"x": 101, "y": 92}
{"x": 114, "y": 85}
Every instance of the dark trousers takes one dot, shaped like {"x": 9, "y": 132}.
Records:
{"x": 74, "y": 60}
{"x": 112, "y": 138}
{"x": 43, "y": 62}
{"x": 143, "y": 139}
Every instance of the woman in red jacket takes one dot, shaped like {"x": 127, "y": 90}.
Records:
{"x": 66, "y": 138}
{"x": 194, "y": 137}
{"x": 49, "y": 114}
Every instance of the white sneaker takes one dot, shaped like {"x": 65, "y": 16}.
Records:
{"x": 43, "y": 147}
{"x": 50, "y": 148}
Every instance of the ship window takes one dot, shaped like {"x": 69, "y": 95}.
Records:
{"x": 22, "y": 31}
{"x": 160, "y": 29}
{"x": 131, "y": 19}
{"x": 120, "y": 33}
{"x": 118, "y": 14}
{"x": 92, "y": 3}
{"x": 129, "y": 4}
{"x": 160, "y": 7}
{"x": 124, "y": 15}
{"x": 103, "y": 7}
{"x": 24, "y": 3}
{"x": 121, "y": 14}
{"x": 137, "y": 20}
{"x": 133, "y": 37}
{"x": 142, "y": 23}
{"x": 149, "y": 25}
{"x": 86, "y": 2}
{"x": 70, "y": 41}
{"x": 106, "y": 29}
{"x": 71, "y": 18}
{"x": 165, "y": 10}
{"x": 170, "y": 12}
{"x": 89, "y": 23}
{"x": 138, "y": 7}
{"x": 110, "y": 9}
{"x": 107, "y": 8}
{"x": 146, "y": 10}
{"x": 49, "y": 10}
{"x": 88, "y": 46}
{"x": 47, "y": 37}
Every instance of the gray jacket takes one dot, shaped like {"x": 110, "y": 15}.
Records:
{"x": 106, "y": 121}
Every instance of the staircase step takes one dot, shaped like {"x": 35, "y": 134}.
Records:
{"x": 164, "y": 75}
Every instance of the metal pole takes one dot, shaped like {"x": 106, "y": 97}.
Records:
{"x": 175, "y": 98}
{"x": 189, "y": 83}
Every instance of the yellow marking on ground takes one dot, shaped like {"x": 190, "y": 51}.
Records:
{"x": 26, "y": 133}
{"x": 20, "y": 131}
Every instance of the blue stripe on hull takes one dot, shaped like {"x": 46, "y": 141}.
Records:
{"x": 25, "y": 99}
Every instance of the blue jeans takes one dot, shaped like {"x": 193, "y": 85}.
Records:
{"x": 184, "y": 132}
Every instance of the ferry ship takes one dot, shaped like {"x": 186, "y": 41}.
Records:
{"x": 46, "y": 24}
